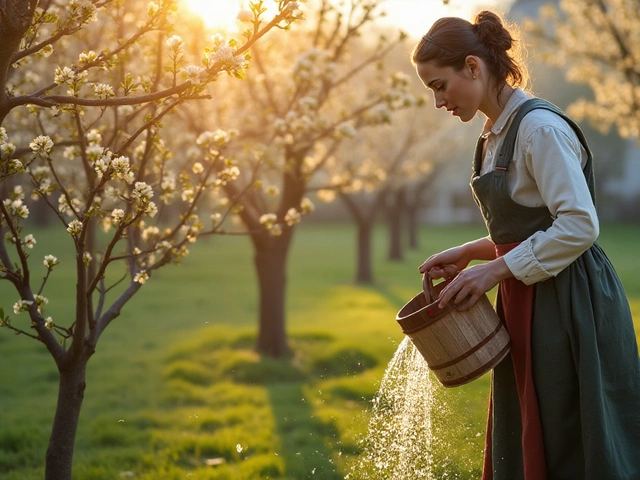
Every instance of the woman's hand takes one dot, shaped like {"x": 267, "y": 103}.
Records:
{"x": 446, "y": 264}
{"x": 470, "y": 284}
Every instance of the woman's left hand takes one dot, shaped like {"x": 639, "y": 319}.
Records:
{"x": 470, "y": 284}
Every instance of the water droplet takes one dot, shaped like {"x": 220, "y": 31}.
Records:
{"x": 400, "y": 434}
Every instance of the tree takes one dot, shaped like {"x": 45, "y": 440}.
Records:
{"x": 598, "y": 41}
{"x": 89, "y": 145}
{"x": 325, "y": 85}
{"x": 372, "y": 167}
{"x": 386, "y": 169}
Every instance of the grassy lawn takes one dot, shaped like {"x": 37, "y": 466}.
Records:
{"x": 175, "y": 389}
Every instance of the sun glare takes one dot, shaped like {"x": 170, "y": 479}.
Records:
{"x": 217, "y": 13}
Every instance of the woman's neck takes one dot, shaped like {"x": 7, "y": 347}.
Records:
{"x": 495, "y": 104}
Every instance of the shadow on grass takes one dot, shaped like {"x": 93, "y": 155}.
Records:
{"x": 264, "y": 417}
{"x": 304, "y": 439}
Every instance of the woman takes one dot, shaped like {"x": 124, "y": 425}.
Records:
{"x": 565, "y": 404}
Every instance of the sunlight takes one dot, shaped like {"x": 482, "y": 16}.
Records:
{"x": 217, "y": 13}
{"x": 416, "y": 16}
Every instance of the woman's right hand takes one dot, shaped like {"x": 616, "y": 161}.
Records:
{"x": 446, "y": 264}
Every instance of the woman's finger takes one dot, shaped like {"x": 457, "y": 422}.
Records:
{"x": 448, "y": 293}
{"x": 470, "y": 302}
{"x": 462, "y": 294}
{"x": 450, "y": 270}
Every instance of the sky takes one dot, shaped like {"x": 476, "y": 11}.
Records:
{"x": 413, "y": 16}
{"x": 416, "y": 16}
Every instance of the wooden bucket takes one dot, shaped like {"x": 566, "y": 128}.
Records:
{"x": 458, "y": 346}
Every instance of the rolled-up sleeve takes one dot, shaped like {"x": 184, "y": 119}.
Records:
{"x": 553, "y": 160}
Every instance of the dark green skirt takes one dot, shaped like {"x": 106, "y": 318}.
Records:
{"x": 587, "y": 378}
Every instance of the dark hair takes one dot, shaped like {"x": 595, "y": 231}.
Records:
{"x": 450, "y": 40}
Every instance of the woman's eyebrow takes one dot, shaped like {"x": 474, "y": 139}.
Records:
{"x": 430, "y": 84}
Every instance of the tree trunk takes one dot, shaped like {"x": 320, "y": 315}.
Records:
{"x": 364, "y": 272}
{"x": 412, "y": 225}
{"x": 395, "y": 211}
{"x": 65, "y": 424}
{"x": 271, "y": 265}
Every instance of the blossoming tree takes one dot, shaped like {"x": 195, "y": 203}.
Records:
{"x": 311, "y": 94}
{"x": 81, "y": 129}
{"x": 598, "y": 41}
{"x": 381, "y": 166}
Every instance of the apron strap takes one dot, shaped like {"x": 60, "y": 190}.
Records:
{"x": 507, "y": 149}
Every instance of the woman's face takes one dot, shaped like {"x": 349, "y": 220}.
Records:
{"x": 459, "y": 92}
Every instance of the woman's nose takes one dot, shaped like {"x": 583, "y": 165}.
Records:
{"x": 439, "y": 101}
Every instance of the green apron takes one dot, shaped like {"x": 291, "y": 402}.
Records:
{"x": 583, "y": 353}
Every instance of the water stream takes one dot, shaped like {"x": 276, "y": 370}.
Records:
{"x": 402, "y": 437}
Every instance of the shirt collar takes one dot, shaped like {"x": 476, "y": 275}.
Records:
{"x": 517, "y": 98}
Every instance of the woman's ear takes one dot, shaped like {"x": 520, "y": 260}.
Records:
{"x": 472, "y": 65}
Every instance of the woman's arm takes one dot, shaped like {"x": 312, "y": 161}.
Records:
{"x": 552, "y": 155}
{"x": 468, "y": 283}
{"x": 449, "y": 262}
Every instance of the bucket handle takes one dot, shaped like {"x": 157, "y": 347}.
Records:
{"x": 427, "y": 288}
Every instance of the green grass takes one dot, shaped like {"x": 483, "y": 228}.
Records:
{"x": 175, "y": 385}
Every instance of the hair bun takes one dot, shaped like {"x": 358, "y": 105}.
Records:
{"x": 491, "y": 32}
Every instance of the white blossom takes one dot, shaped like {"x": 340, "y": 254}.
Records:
{"x": 150, "y": 233}
{"x": 192, "y": 73}
{"x": 188, "y": 195}
{"x": 142, "y": 192}
{"x": 64, "y": 76}
{"x": 75, "y": 228}
{"x": 22, "y": 305}
{"x": 175, "y": 43}
{"x": 15, "y": 166}
{"x": 222, "y": 56}
{"x": 228, "y": 174}
{"x": 292, "y": 216}
{"x": 326, "y": 195}
{"x": 29, "y": 241}
{"x": 151, "y": 209}
{"x": 268, "y": 219}
{"x": 46, "y": 51}
{"x": 70, "y": 152}
{"x": 93, "y": 136}
{"x": 6, "y": 149}
{"x": 17, "y": 208}
{"x": 306, "y": 206}
{"x": 86, "y": 58}
{"x": 50, "y": 261}
{"x": 121, "y": 168}
{"x": 41, "y": 146}
{"x": 141, "y": 277}
{"x": 117, "y": 215}
{"x": 152, "y": 8}
{"x": 103, "y": 90}
{"x": 41, "y": 301}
